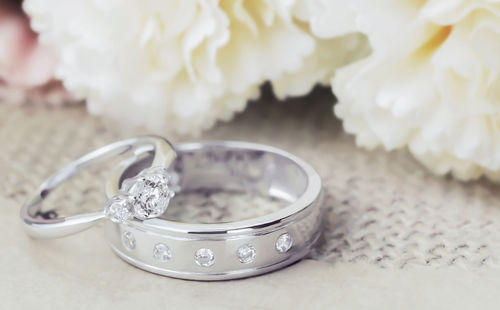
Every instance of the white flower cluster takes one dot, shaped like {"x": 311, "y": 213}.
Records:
{"x": 182, "y": 65}
{"x": 432, "y": 83}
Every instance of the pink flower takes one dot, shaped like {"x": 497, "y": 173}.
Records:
{"x": 26, "y": 67}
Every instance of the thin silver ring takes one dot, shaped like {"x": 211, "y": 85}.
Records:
{"x": 130, "y": 150}
{"x": 220, "y": 251}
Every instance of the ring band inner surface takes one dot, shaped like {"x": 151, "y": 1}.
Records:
{"x": 223, "y": 184}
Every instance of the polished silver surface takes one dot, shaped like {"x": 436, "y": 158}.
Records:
{"x": 158, "y": 149}
{"x": 228, "y": 250}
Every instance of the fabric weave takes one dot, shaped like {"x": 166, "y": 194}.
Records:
{"x": 381, "y": 208}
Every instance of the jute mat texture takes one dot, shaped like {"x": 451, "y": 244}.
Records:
{"x": 385, "y": 214}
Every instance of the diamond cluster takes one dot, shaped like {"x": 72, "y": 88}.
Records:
{"x": 205, "y": 257}
{"x": 144, "y": 196}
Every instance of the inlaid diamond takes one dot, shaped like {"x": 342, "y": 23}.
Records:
{"x": 128, "y": 240}
{"x": 162, "y": 253}
{"x": 204, "y": 257}
{"x": 119, "y": 209}
{"x": 246, "y": 253}
{"x": 150, "y": 191}
{"x": 284, "y": 243}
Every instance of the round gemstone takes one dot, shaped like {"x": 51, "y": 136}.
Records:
{"x": 150, "y": 192}
{"x": 162, "y": 253}
{"x": 284, "y": 243}
{"x": 204, "y": 257}
{"x": 128, "y": 240}
{"x": 119, "y": 209}
{"x": 246, "y": 253}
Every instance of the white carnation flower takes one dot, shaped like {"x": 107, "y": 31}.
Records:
{"x": 432, "y": 83}
{"x": 180, "y": 65}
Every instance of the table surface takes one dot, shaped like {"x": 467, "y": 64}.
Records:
{"x": 395, "y": 235}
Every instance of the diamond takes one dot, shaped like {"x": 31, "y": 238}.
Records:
{"x": 119, "y": 209}
{"x": 162, "y": 253}
{"x": 204, "y": 257}
{"x": 150, "y": 191}
{"x": 284, "y": 243}
{"x": 246, "y": 253}
{"x": 128, "y": 240}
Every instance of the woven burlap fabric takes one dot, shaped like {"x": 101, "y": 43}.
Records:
{"x": 382, "y": 208}
{"x": 395, "y": 235}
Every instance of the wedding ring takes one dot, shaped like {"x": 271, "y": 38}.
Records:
{"x": 227, "y": 250}
{"x": 136, "y": 200}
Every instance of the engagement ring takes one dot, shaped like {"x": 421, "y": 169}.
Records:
{"x": 159, "y": 151}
